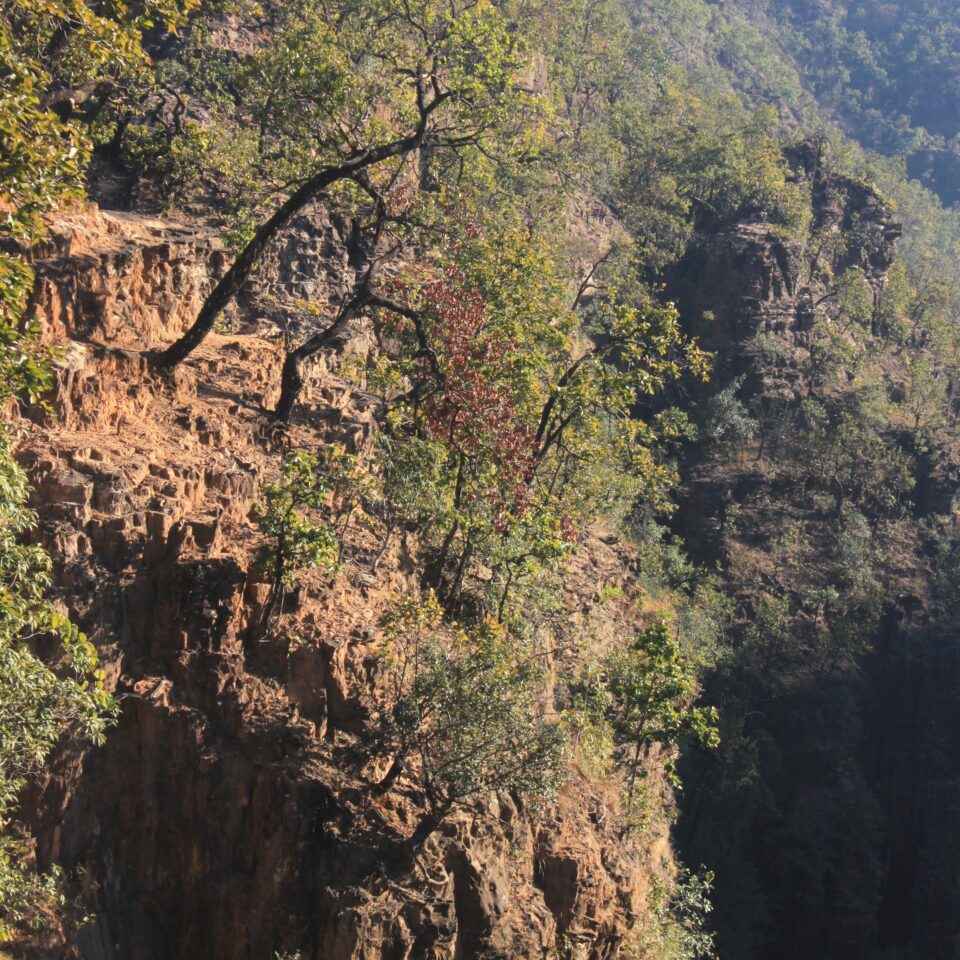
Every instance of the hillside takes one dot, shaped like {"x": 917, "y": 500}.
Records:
{"x": 887, "y": 71}
{"x": 479, "y": 480}
{"x": 229, "y": 814}
{"x": 882, "y": 72}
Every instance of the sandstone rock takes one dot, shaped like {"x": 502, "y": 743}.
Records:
{"x": 225, "y": 818}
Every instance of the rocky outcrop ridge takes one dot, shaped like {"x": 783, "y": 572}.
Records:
{"x": 224, "y": 817}
{"x": 751, "y": 277}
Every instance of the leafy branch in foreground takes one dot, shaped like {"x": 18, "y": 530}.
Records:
{"x": 39, "y": 698}
{"x": 532, "y": 408}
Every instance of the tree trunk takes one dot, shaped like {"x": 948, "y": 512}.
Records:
{"x": 378, "y": 559}
{"x": 503, "y": 596}
{"x": 291, "y": 383}
{"x": 456, "y": 587}
{"x": 291, "y": 379}
{"x": 838, "y": 498}
{"x": 233, "y": 280}
{"x": 433, "y": 572}
{"x": 634, "y": 767}
{"x": 428, "y": 823}
{"x": 396, "y": 768}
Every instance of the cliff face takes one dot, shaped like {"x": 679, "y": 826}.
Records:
{"x": 753, "y": 278}
{"x": 230, "y": 815}
{"x": 826, "y": 815}
{"x": 227, "y": 816}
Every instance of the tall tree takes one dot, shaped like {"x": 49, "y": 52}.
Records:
{"x": 362, "y": 85}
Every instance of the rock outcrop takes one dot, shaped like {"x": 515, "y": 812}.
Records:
{"x": 222, "y": 818}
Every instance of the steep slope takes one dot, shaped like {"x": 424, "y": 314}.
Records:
{"x": 228, "y": 815}
{"x": 827, "y": 811}
{"x": 888, "y": 71}
{"x": 788, "y": 525}
{"x": 882, "y": 72}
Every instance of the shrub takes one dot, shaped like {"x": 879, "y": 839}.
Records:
{"x": 677, "y": 926}
{"x": 643, "y": 694}
{"x": 39, "y": 699}
{"x": 463, "y": 714}
{"x": 293, "y": 542}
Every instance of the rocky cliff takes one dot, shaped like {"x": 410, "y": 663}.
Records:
{"x": 227, "y": 815}
{"x": 826, "y": 812}
{"x": 230, "y": 813}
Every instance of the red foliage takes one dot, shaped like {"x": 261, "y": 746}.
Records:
{"x": 474, "y": 411}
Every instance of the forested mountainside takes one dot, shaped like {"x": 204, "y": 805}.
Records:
{"x": 479, "y": 480}
{"x": 885, "y": 72}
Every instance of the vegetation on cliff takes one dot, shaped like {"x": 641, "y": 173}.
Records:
{"x": 548, "y": 212}
{"x": 512, "y": 387}
{"x": 50, "y": 680}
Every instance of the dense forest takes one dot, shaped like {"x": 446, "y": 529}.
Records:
{"x": 502, "y": 441}
{"x": 887, "y": 70}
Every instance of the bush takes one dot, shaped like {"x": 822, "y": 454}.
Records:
{"x": 728, "y": 423}
{"x": 292, "y": 541}
{"x": 677, "y": 926}
{"x": 643, "y": 694}
{"x": 39, "y": 699}
{"x": 463, "y": 714}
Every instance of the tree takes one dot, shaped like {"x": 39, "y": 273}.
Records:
{"x": 678, "y": 923}
{"x": 646, "y": 694}
{"x": 414, "y": 484}
{"x": 463, "y": 713}
{"x": 539, "y": 421}
{"x": 926, "y": 394}
{"x": 351, "y": 307}
{"x": 728, "y": 423}
{"x": 352, "y": 489}
{"x": 352, "y": 87}
{"x": 292, "y": 541}
{"x": 852, "y": 461}
{"x": 47, "y": 46}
